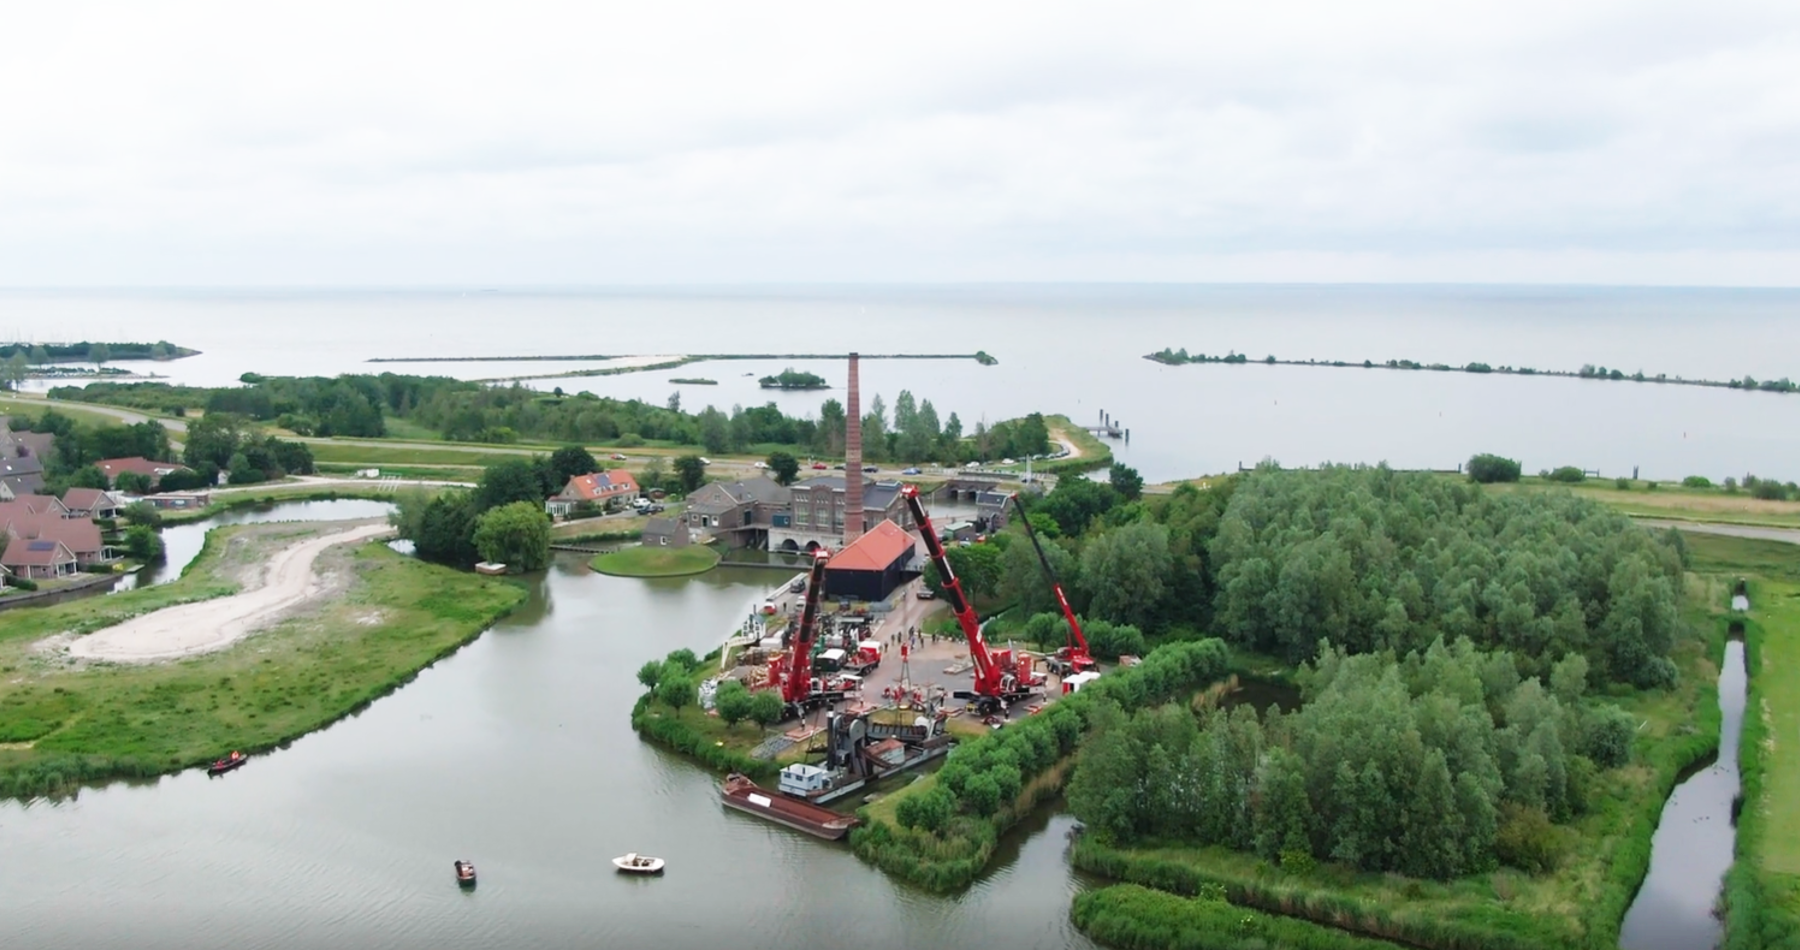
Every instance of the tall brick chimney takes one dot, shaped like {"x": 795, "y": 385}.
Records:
{"x": 853, "y": 465}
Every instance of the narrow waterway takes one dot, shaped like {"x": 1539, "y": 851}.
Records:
{"x": 182, "y": 543}
{"x": 1695, "y": 840}
{"x": 515, "y": 753}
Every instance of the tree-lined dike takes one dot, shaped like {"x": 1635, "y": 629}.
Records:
{"x": 1181, "y": 357}
{"x": 328, "y": 619}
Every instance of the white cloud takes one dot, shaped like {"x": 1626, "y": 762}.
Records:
{"x": 1631, "y": 142}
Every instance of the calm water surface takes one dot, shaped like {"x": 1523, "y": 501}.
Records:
{"x": 1695, "y": 840}
{"x": 1078, "y": 350}
{"x": 516, "y": 753}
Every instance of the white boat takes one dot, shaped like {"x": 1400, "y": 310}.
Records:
{"x": 635, "y": 863}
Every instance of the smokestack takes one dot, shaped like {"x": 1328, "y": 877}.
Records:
{"x": 853, "y": 481}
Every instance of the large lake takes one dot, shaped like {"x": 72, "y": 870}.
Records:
{"x": 1078, "y": 350}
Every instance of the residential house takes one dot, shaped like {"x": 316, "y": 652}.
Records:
{"x": 90, "y": 503}
{"x": 38, "y": 558}
{"x": 22, "y": 460}
{"x": 816, "y": 516}
{"x": 180, "y": 501}
{"x": 143, "y": 466}
{"x": 81, "y": 536}
{"x": 601, "y": 489}
{"x": 666, "y": 533}
{"x": 741, "y": 513}
{"x": 36, "y": 505}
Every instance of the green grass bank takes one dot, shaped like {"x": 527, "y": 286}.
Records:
{"x": 641, "y": 561}
{"x": 62, "y": 726}
{"x": 1130, "y": 917}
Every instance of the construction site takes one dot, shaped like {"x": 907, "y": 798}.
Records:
{"x": 867, "y": 692}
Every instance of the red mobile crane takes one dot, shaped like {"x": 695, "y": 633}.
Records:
{"x": 999, "y": 681}
{"x": 1073, "y": 657}
{"x": 795, "y": 670}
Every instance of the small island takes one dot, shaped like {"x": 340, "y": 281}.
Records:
{"x": 38, "y": 354}
{"x": 790, "y": 379}
{"x": 681, "y": 381}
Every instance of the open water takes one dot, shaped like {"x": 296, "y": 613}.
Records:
{"x": 1078, "y": 350}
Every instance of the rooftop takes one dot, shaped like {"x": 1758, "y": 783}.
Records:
{"x": 879, "y": 547}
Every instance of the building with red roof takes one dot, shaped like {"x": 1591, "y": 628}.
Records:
{"x": 601, "y": 489}
{"x": 38, "y": 558}
{"x": 137, "y": 463}
{"x": 870, "y": 567}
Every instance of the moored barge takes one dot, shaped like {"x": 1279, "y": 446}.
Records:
{"x": 741, "y": 793}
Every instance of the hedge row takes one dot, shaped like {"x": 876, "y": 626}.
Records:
{"x": 1762, "y": 909}
{"x": 1625, "y": 840}
{"x": 1137, "y": 918}
{"x": 673, "y": 732}
{"x": 991, "y": 782}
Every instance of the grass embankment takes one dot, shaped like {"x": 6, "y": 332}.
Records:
{"x": 64, "y": 726}
{"x": 990, "y": 783}
{"x": 374, "y": 454}
{"x": 1672, "y": 501}
{"x": 34, "y": 407}
{"x": 700, "y": 735}
{"x": 1580, "y": 904}
{"x": 1138, "y": 918}
{"x": 300, "y": 491}
{"x": 1762, "y": 890}
{"x": 641, "y": 561}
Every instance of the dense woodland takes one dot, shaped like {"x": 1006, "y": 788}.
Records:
{"x": 361, "y": 405}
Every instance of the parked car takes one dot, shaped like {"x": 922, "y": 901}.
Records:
{"x": 839, "y": 466}
{"x": 798, "y": 585}
{"x": 870, "y": 468}
{"x": 617, "y": 457}
{"x": 910, "y": 471}
{"x": 759, "y": 465}
{"x": 705, "y": 461}
{"x": 926, "y": 593}
{"x": 822, "y": 465}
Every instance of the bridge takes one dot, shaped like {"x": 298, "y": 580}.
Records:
{"x": 1109, "y": 428}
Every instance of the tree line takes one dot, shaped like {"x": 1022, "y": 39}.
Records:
{"x": 1441, "y": 763}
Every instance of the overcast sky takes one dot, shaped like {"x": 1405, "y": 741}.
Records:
{"x": 507, "y": 143}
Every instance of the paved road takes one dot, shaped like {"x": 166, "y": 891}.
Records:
{"x": 1789, "y": 535}
{"x": 127, "y": 416}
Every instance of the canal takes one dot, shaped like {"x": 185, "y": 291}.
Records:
{"x": 515, "y": 753}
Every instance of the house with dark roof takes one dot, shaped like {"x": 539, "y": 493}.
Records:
{"x": 872, "y": 566}
{"x": 22, "y": 460}
{"x": 143, "y": 466}
{"x": 606, "y": 490}
{"x": 816, "y": 516}
{"x": 666, "y": 533}
{"x": 90, "y": 503}
{"x": 741, "y": 513}
{"x": 38, "y": 558}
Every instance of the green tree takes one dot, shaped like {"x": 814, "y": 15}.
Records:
{"x": 142, "y": 544}
{"x": 447, "y": 530}
{"x": 1126, "y": 481}
{"x": 570, "y": 461}
{"x": 1022, "y": 577}
{"x": 649, "y": 674}
{"x": 88, "y": 476}
{"x": 655, "y": 472}
{"x": 99, "y": 352}
{"x": 16, "y": 370}
{"x": 715, "y": 431}
{"x": 39, "y": 355}
{"x": 765, "y": 708}
{"x": 213, "y": 439}
{"x": 516, "y": 534}
{"x": 691, "y": 471}
{"x": 828, "y": 438}
{"x": 733, "y": 702}
{"x": 243, "y": 472}
{"x": 509, "y": 481}
{"x": 1487, "y": 469}
{"x": 144, "y": 513}
{"x": 676, "y": 691}
{"x": 1123, "y": 573}
{"x": 784, "y": 466}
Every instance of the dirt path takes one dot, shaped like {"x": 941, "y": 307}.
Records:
{"x": 188, "y": 629}
{"x": 1789, "y": 535}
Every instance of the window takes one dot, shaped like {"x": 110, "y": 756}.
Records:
{"x": 802, "y": 517}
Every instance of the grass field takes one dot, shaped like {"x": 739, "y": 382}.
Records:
{"x": 375, "y": 454}
{"x": 63, "y": 726}
{"x": 1673, "y": 502}
{"x": 15, "y": 406}
{"x": 640, "y": 561}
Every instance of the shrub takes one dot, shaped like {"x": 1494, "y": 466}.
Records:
{"x": 1769, "y": 491}
{"x": 1696, "y": 481}
{"x": 1567, "y": 473}
{"x": 1487, "y": 469}
{"x": 1527, "y": 840}
{"x": 1609, "y": 733}
{"x": 1622, "y": 484}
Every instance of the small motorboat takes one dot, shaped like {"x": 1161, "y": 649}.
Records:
{"x": 465, "y": 873}
{"x": 635, "y": 863}
{"x": 234, "y": 760}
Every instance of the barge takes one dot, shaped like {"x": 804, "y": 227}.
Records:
{"x": 741, "y": 793}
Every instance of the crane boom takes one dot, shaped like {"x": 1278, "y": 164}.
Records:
{"x": 1078, "y": 651}
{"x": 798, "y": 686}
{"x": 987, "y": 671}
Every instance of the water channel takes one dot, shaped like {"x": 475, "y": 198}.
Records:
{"x": 1695, "y": 840}
{"x": 517, "y": 753}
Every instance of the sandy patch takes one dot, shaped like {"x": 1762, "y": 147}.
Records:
{"x": 189, "y": 629}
